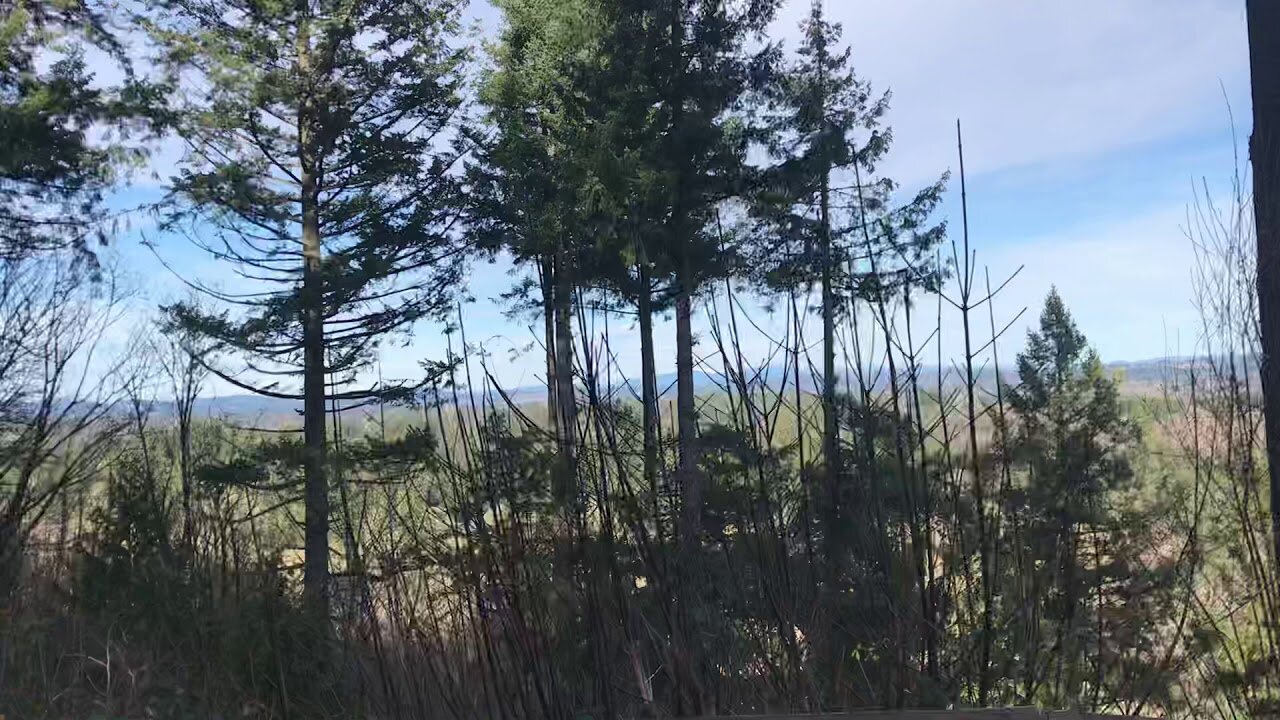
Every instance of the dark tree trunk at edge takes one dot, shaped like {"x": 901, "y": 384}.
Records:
{"x": 1264, "y": 152}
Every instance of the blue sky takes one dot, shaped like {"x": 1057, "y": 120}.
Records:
{"x": 1087, "y": 127}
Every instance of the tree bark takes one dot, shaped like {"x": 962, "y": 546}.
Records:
{"x": 187, "y": 470}
{"x": 649, "y": 385}
{"x": 689, "y": 530}
{"x": 546, "y": 272}
{"x": 686, "y": 408}
{"x": 1264, "y": 152}
{"x": 691, "y": 489}
{"x": 830, "y": 420}
{"x": 315, "y": 576}
{"x": 566, "y": 398}
{"x": 10, "y": 560}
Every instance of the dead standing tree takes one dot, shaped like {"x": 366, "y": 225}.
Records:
{"x": 58, "y": 394}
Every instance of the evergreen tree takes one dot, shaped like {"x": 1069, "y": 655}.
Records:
{"x": 64, "y": 141}
{"x": 53, "y": 173}
{"x": 1073, "y": 442}
{"x": 827, "y": 218}
{"x": 319, "y": 168}
{"x": 687, "y": 61}
{"x": 677, "y": 81}
{"x": 628, "y": 198}
{"x": 530, "y": 187}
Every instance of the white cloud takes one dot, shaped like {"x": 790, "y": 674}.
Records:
{"x": 1127, "y": 283}
{"x": 1034, "y": 82}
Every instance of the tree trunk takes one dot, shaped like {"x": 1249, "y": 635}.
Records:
{"x": 649, "y": 386}
{"x": 315, "y": 577}
{"x": 184, "y": 455}
{"x": 1264, "y": 152}
{"x": 566, "y": 399}
{"x": 678, "y": 240}
{"x": 686, "y": 407}
{"x": 986, "y": 638}
{"x": 184, "y": 458}
{"x": 10, "y": 561}
{"x": 689, "y": 530}
{"x": 690, "y": 475}
{"x": 546, "y": 277}
{"x": 830, "y": 421}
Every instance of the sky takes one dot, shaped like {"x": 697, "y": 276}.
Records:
{"x": 1088, "y": 127}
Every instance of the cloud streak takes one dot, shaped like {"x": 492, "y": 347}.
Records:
{"x": 1038, "y": 82}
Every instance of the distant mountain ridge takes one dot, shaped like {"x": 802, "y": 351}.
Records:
{"x": 1139, "y": 372}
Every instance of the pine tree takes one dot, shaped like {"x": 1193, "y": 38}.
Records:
{"x": 629, "y": 199}
{"x": 816, "y": 108}
{"x": 531, "y": 184}
{"x": 826, "y": 214}
{"x": 319, "y": 167}
{"x": 827, "y": 218}
{"x": 677, "y": 82}
{"x": 687, "y": 61}
{"x": 1073, "y": 442}
{"x": 53, "y": 173}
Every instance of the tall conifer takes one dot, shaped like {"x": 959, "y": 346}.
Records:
{"x": 319, "y": 167}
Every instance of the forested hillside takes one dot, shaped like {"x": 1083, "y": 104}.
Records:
{"x": 217, "y": 506}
